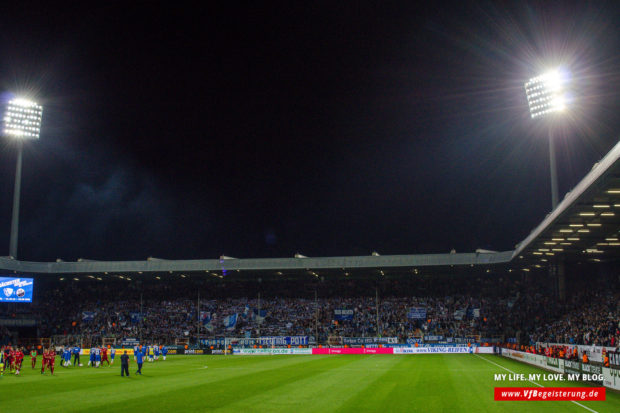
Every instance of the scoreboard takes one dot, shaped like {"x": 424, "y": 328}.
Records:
{"x": 16, "y": 290}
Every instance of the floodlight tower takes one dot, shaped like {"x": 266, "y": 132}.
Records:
{"x": 21, "y": 121}
{"x": 545, "y": 97}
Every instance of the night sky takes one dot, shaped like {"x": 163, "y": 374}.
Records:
{"x": 324, "y": 129}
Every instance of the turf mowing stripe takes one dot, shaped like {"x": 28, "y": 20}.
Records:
{"x": 328, "y": 386}
{"x": 538, "y": 384}
{"x": 113, "y": 392}
{"x": 222, "y": 392}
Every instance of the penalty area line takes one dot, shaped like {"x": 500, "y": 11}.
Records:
{"x": 533, "y": 382}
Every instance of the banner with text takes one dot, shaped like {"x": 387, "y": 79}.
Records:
{"x": 433, "y": 338}
{"x": 353, "y": 351}
{"x": 417, "y": 313}
{"x": 433, "y": 350}
{"x": 358, "y": 341}
{"x": 270, "y": 351}
{"x": 283, "y": 341}
{"x": 611, "y": 378}
{"x": 342, "y": 314}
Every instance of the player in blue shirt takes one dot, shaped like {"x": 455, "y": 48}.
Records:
{"x": 66, "y": 356}
{"x": 137, "y": 355}
{"x": 91, "y": 357}
{"x": 97, "y": 356}
{"x": 156, "y": 348}
{"x": 112, "y": 354}
{"x": 76, "y": 355}
{"x": 164, "y": 351}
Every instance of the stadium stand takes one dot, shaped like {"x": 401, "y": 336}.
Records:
{"x": 514, "y": 306}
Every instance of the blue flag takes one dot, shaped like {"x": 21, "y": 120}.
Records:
{"x": 230, "y": 322}
{"x": 88, "y": 315}
{"x": 205, "y": 317}
{"x": 259, "y": 315}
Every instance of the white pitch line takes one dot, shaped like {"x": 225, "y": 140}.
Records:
{"x": 533, "y": 382}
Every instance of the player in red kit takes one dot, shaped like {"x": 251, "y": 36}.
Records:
{"x": 104, "y": 356}
{"x": 51, "y": 359}
{"x": 19, "y": 358}
{"x": 11, "y": 359}
{"x": 33, "y": 357}
{"x": 44, "y": 361}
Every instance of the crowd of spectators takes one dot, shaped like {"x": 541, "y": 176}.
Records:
{"x": 164, "y": 311}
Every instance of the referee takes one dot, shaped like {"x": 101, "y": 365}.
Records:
{"x": 125, "y": 364}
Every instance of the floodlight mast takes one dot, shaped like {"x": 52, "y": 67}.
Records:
{"x": 21, "y": 121}
{"x": 545, "y": 97}
{"x": 16, "y": 197}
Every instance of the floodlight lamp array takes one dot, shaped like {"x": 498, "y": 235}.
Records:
{"x": 22, "y": 119}
{"x": 545, "y": 94}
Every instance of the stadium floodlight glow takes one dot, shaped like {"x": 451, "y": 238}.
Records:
{"x": 545, "y": 96}
{"x": 22, "y": 119}
{"x": 545, "y": 93}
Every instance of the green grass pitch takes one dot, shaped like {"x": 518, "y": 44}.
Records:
{"x": 348, "y": 383}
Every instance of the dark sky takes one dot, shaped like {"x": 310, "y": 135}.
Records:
{"x": 324, "y": 129}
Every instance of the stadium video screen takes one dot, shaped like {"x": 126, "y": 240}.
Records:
{"x": 16, "y": 289}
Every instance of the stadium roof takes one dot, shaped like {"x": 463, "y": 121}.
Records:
{"x": 585, "y": 225}
{"x": 257, "y": 264}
